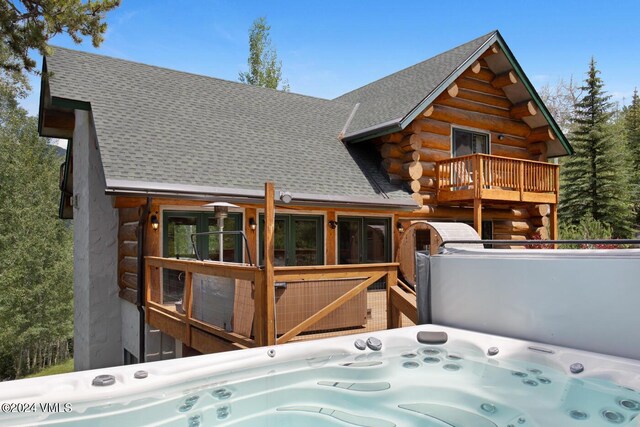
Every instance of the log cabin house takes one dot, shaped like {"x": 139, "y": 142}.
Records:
{"x": 462, "y": 136}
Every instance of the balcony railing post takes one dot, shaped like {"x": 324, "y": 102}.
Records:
{"x": 556, "y": 182}
{"x": 188, "y": 303}
{"x": 438, "y": 164}
{"x": 477, "y": 176}
{"x": 521, "y": 179}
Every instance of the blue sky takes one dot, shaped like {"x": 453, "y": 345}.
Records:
{"x": 330, "y": 47}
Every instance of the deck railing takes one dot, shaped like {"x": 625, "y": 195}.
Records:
{"x": 482, "y": 176}
{"x": 213, "y": 306}
{"x": 178, "y": 304}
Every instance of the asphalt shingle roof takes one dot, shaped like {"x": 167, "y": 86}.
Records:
{"x": 394, "y": 96}
{"x": 163, "y": 126}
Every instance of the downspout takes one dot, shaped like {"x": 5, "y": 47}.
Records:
{"x": 141, "y": 291}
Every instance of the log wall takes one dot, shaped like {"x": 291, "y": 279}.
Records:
{"x": 475, "y": 100}
{"x": 129, "y": 219}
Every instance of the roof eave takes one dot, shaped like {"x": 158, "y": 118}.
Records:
{"x": 43, "y": 85}
{"x": 239, "y": 195}
{"x": 374, "y": 131}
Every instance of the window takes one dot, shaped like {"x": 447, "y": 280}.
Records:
{"x": 298, "y": 240}
{"x": 364, "y": 240}
{"x": 466, "y": 142}
{"x": 177, "y": 230}
{"x": 179, "y": 226}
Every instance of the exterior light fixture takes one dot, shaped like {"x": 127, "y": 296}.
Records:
{"x": 501, "y": 137}
{"x": 333, "y": 224}
{"x": 399, "y": 227}
{"x": 252, "y": 223}
{"x": 154, "y": 222}
{"x": 285, "y": 196}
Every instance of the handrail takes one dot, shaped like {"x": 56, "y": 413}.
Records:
{"x": 495, "y": 157}
{"x": 472, "y": 174}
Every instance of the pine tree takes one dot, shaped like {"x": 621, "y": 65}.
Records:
{"x": 36, "y": 257}
{"x": 29, "y": 24}
{"x": 265, "y": 70}
{"x": 632, "y": 130}
{"x": 596, "y": 179}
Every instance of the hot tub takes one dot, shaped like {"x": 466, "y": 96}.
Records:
{"x": 384, "y": 379}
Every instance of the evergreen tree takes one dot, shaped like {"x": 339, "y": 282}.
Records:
{"x": 265, "y": 70}
{"x": 632, "y": 131}
{"x": 36, "y": 283}
{"x": 596, "y": 179}
{"x": 29, "y": 24}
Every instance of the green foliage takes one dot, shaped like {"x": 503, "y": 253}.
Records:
{"x": 632, "y": 137}
{"x": 265, "y": 70}
{"x": 587, "y": 229}
{"x": 36, "y": 308}
{"x": 596, "y": 179}
{"x": 29, "y": 24}
{"x": 60, "y": 368}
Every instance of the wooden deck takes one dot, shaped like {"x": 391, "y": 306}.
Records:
{"x": 321, "y": 299}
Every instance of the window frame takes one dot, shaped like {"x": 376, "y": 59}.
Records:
{"x": 472, "y": 131}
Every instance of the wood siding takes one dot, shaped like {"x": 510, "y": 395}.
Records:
{"x": 477, "y": 101}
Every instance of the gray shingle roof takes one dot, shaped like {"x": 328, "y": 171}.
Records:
{"x": 156, "y": 125}
{"x": 393, "y": 97}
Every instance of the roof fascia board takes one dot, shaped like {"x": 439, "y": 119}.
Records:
{"x": 534, "y": 94}
{"x": 374, "y": 131}
{"x": 41, "y": 105}
{"x": 70, "y": 104}
{"x": 65, "y": 180}
{"x": 139, "y": 188}
{"x": 446, "y": 82}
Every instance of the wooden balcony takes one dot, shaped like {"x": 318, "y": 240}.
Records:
{"x": 482, "y": 179}
{"x": 494, "y": 178}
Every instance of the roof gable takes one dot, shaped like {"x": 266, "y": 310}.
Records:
{"x": 390, "y": 104}
{"x": 386, "y": 102}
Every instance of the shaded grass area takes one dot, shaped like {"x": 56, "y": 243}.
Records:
{"x": 61, "y": 368}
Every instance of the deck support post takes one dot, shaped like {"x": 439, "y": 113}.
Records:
{"x": 477, "y": 216}
{"x": 269, "y": 256}
{"x": 553, "y": 223}
{"x": 264, "y": 322}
